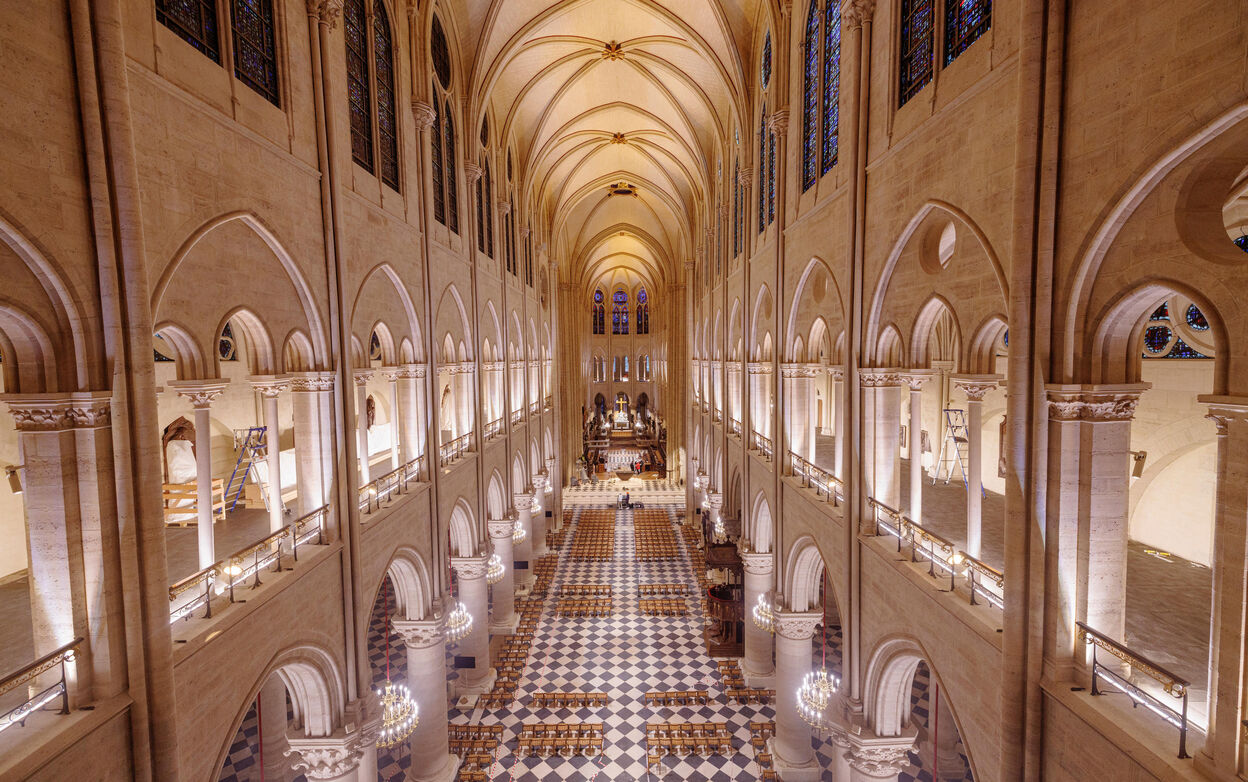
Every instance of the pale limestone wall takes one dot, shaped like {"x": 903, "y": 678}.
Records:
{"x": 101, "y": 753}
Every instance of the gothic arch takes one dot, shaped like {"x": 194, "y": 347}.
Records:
{"x": 463, "y": 530}
{"x": 762, "y": 528}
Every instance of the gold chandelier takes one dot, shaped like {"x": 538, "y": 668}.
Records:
{"x": 494, "y": 570}
{"x": 398, "y": 710}
{"x": 458, "y": 622}
{"x": 764, "y": 614}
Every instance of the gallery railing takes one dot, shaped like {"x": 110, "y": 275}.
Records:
{"x": 374, "y": 494}
{"x": 56, "y": 659}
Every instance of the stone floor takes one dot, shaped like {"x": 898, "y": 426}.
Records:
{"x": 239, "y": 529}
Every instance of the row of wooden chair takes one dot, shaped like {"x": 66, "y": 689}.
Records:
{"x": 473, "y": 731}
{"x": 663, "y": 606}
{"x": 585, "y": 590}
{"x": 697, "y": 745}
{"x": 569, "y": 700}
{"x": 764, "y": 729}
{"x": 750, "y": 695}
{"x": 594, "y": 538}
{"x": 561, "y": 729}
{"x": 477, "y": 760}
{"x": 496, "y": 699}
{"x": 649, "y": 552}
{"x": 546, "y": 746}
{"x": 678, "y": 698}
{"x": 584, "y": 606}
{"x": 471, "y": 775}
{"x": 462, "y": 747}
{"x": 663, "y": 589}
{"x": 685, "y": 729}
{"x": 759, "y": 733}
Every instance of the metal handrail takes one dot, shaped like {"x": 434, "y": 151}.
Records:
{"x": 763, "y": 444}
{"x": 494, "y": 428}
{"x": 734, "y": 426}
{"x": 372, "y": 495}
{"x": 1173, "y": 684}
{"x": 246, "y": 563}
{"x": 455, "y": 449}
{"x": 57, "y": 657}
{"x": 516, "y": 416}
{"x": 550, "y": 401}
{"x": 535, "y": 408}
{"x": 823, "y": 482}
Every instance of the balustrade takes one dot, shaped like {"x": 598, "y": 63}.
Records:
{"x": 374, "y": 494}
{"x": 455, "y": 449}
{"x": 200, "y": 588}
{"x": 494, "y": 428}
{"x": 943, "y": 557}
{"x": 516, "y": 416}
{"x": 763, "y": 444}
{"x": 734, "y": 426}
{"x": 61, "y": 658}
{"x": 823, "y": 482}
{"x": 535, "y": 408}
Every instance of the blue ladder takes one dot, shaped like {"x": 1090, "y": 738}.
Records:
{"x": 251, "y": 449}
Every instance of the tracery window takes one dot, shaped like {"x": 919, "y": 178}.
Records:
{"x": 916, "y": 47}
{"x": 1241, "y": 242}
{"x": 449, "y": 167}
{"x": 736, "y": 209}
{"x": 387, "y": 128}
{"x": 765, "y": 73}
{"x": 1161, "y": 336}
{"x": 194, "y": 21}
{"x": 359, "y": 86}
{"x": 830, "y": 114}
{"x": 965, "y": 21}
{"x": 435, "y": 141}
{"x": 442, "y": 135}
{"x": 619, "y": 312}
{"x": 255, "y": 47}
{"x": 489, "y": 210}
{"x": 599, "y": 311}
{"x": 762, "y": 170}
{"x": 771, "y": 178}
{"x": 528, "y": 258}
{"x": 643, "y": 312}
{"x": 511, "y": 242}
{"x": 810, "y": 94}
{"x": 370, "y": 91}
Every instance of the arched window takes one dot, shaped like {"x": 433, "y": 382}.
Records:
{"x": 370, "y": 90}
{"x": 810, "y": 94}
{"x": 915, "y": 68}
{"x": 489, "y": 210}
{"x": 831, "y": 113}
{"x": 771, "y": 178}
{"x": 762, "y": 170}
{"x": 481, "y": 208}
{"x": 442, "y": 135}
{"x": 255, "y": 47}
{"x": 643, "y": 312}
{"x": 736, "y": 209}
{"x": 528, "y": 256}
{"x": 599, "y": 313}
{"x": 965, "y": 21}
{"x": 619, "y": 312}
{"x": 194, "y": 21}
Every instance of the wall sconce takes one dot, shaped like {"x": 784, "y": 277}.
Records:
{"x": 15, "y": 480}
{"x": 1137, "y": 463}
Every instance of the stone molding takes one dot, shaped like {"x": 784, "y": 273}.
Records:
{"x": 837, "y": 374}
{"x": 201, "y": 393}
{"x": 325, "y": 11}
{"x": 1094, "y": 404}
{"x": 390, "y": 374}
{"x": 494, "y": 366}
{"x": 758, "y": 564}
{"x": 855, "y": 12}
{"x": 409, "y": 371}
{"x": 798, "y": 625}
{"x": 917, "y": 378}
{"x": 778, "y": 122}
{"x": 798, "y": 370}
{"x": 362, "y": 376}
{"x": 472, "y": 172}
{"x": 715, "y": 501}
{"x": 422, "y": 112}
{"x": 872, "y": 377}
{"x": 420, "y": 633}
{"x": 500, "y": 529}
{"x": 880, "y": 761}
{"x": 312, "y": 381}
{"x": 976, "y": 387}
{"x": 470, "y": 568}
{"x": 269, "y": 386}
{"x": 743, "y": 177}
{"x": 504, "y": 208}
{"x": 59, "y": 412}
{"x": 759, "y": 368}
{"x": 522, "y": 502}
{"x": 525, "y": 232}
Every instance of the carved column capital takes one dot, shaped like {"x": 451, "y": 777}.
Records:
{"x": 362, "y": 376}
{"x": 715, "y": 501}
{"x": 917, "y": 378}
{"x": 778, "y": 122}
{"x": 873, "y": 377}
{"x": 269, "y": 386}
{"x": 421, "y": 633}
{"x": 472, "y": 172}
{"x": 325, "y": 12}
{"x": 758, "y": 564}
{"x": 504, "y": 208}
{"x": 470, "y": 568}
{"x": 59, "y": 412}
{"x": 423, "y": 113}
{"x": 312, "y": 381}
{"x": 976, "y": 387}
{"x": 201, "y": 393}
{"x": 522, "y": 502}
{"x": 500, "y": 529}
{"x": 1094, "y": 403}
{"x": 798, "y": 625}
{"x": 837, "y": 374}
{"x": 743, "y": 177}
{"x": 855, "y": 12}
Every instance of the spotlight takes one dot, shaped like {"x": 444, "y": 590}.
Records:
{"x": 1137, "y": 463}
{"x": 15, "y": 480}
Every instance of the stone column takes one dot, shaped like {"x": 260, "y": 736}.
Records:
{"x": 269, "y": 387}
{"x": 759, "y": 643}
{"x": 794, "y": 756}
{"x": 916, "y": 379}
{"x": 475, "y": 595}
{"x": 523, "y": 503}
{"x": 201, "y": 394}
{"x": 838, "y": 419}
{"x": 504, "y": 614}
{"x": 397, "y": 458}
{"x": 976, "y": 387}
{"x": 714, "y": 504}
{"x": 798, "y": 384}
{"x": 338, "y": 758}
{"x": 271, "y": 704}
{"x": 311, "y": 394}
{"x": 881, "y": 431}
{"x": 425, "y": 640}
{"x": 538, "y": 548}
{"x": 362, "y": 376}
{"x": 878, "y": 759}
{"x": 1224, "y": 746}
{"x": 409, "y": 394}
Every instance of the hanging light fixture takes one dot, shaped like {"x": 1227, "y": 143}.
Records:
{"x": 764, "y": 613}
{"x": 494, "y": 570}
{"x": 398, "y": 710}
{"x": 518, "y": 534}
{"x": 458, "y": 620}
{"x": 814, "y": 697}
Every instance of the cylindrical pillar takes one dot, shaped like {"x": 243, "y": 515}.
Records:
{"x": 397, "y": 457}
{"x": 524, "y": 549}
{"x": 504, "y": 591}
{"x": 362, "y": 376}
{"x": 268, "y": 388}
{"x": 426, "y": 681}
{"x": 838, "y": 420}
{"x": 915, "y": 380}
{"x": 759, "y": 643}
{"x": 794, "y": 631}
{"x": 271, "y": 705}
{"x": 975, "y": 387}
{"x": 311, "y": 394}
{"x": 475, "y": 595}
{"x": 201, "y": 396}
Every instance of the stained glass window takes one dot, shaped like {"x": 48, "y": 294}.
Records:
{"x": 810, "y": 93}
{"x": 387, "y": 130}
{"x": 485, "y": 132}
{"x": 766, "y": 66}
{"x": 771, "y": 178}
{"x": 440, "y": 53}
{"x": 511, "y": 240}
{"x": 489, "y": 211}
{"x": 916, "y": 47}
{"x": 643, "y": 312}
{"x": 1241, "y": 242}
{"x": 599, "y": 313}
{"x": 1156, "y": 338}
{"x": 762, "y": 170}
{"x": 528, "y": 259}
{"x": 965, "y": 21}
{"x": 481, "y": 212}
{"x": 1162, "y": 312}
{"x": 619, "y": 312}
{"x": 227, "y": 349}
{"x": 435, "y": 140}
{"x": 831, "y": 112}
{"x": 255, "y": 48}
{"x": 194, "y": 21}
{"x": 1182, "y": 350}
{"x": 1196, "y": 319}
{"x": 450, "y": 167}
{"x": 736, "y": 209}
{"x": 359, "y": 88}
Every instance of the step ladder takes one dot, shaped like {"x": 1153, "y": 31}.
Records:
{"x": 252, "y": 447}
{"x": 954, "y": 448}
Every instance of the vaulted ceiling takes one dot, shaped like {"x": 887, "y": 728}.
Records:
{"x": 618, "y": 112}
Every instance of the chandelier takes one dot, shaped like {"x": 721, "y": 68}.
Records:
{"x": 458, "y": 622}
{"x": 814, "y": 697}
{"x": 398, "y": 710}
{"x": 764, "y": 614}
{"x": 494, "y": 570}
{"x": 518, "y": 534}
